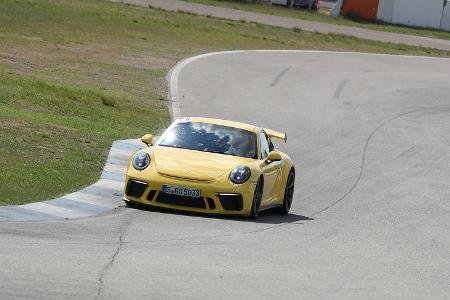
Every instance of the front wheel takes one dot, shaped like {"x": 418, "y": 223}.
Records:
{"x": 288, "y": 194}
{"x": 257, "y": 197}
{"x": 131, "y": 204}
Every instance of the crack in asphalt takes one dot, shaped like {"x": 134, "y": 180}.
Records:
{"x": 364, "y": 154}
{"x": 195, "y": 239}
{"x": 110, "y": 263}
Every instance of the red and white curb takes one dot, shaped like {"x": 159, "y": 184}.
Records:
{"x": 100, "y": 197}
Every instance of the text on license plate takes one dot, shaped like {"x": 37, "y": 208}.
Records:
{"x": 180, "y": 191}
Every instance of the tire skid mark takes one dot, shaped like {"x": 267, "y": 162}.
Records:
{"x": 340, "y": 88}
{"x": 280, "y": 76}
{"x": 409, "y": 152}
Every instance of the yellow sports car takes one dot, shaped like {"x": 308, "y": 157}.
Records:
{"x": 212, "y": 166}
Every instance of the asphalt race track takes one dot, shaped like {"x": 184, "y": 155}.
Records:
{"x": 371, "y": 213}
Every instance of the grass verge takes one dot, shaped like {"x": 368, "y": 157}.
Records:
{"x": 77, "y": 74}
{"x": 324, "y": 18}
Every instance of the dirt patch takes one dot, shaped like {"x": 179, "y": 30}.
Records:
{"x": 6, "y": 56}
{"x": 145, "y": 62}
{"x": 20, "y": 36}
{"x": 64, "y": 127}
{"x": 103, "y": 53}
{"x": 11, "y": 124}
{"x": 22, "y": 66}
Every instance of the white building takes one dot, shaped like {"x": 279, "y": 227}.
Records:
{"x": 418, "y": 13}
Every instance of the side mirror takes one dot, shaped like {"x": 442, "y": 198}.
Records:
{"x": 147, "y": 139}
{"x": 273, "y": 156}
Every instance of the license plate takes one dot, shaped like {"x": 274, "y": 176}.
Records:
{"x": 180, "y": 191}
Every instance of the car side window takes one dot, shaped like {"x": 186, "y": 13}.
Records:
{"x": 271, "y": 146}
{"x": 265, "y": 148}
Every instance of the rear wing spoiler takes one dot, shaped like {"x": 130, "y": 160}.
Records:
{"x": 276, "y": 135}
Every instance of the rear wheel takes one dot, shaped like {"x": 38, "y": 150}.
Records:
{"x": 257, "y": 197}
{"x": 288, "y": 194}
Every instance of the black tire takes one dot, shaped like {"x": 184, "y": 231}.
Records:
{"x": 257, "y": 197}
{"x": 288, "y": 194}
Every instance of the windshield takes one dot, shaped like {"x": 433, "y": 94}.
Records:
{"x": 210, "y": 138}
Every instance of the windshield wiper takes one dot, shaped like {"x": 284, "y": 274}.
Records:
{"x": 218, "y": 152}
{"x": 209, "y": 151}
{"x": 171, "y": 146}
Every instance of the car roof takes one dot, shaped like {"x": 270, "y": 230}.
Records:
{"x": 234, "y": 124}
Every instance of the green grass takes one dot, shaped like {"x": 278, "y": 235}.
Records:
{"x": 54, "y": 137}
{"x": 322, "y": 17}
{"x": 76, "y": 75}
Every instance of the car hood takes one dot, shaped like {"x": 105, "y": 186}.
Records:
{"x": 195, "y": 165}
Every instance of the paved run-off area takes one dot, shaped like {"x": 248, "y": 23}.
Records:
{"x": 371, "y": 217}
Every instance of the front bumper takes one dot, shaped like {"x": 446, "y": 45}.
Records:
{"x": 217, "y": 197}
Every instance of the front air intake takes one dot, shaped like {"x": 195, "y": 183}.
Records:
{"x": 135, "y": 188}
{"x": 211, "y": 203}
{"x": 231, "y": 201}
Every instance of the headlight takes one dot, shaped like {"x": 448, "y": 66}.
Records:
{"x": 240, "y": 174}
{"x": 141, "y": 160}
